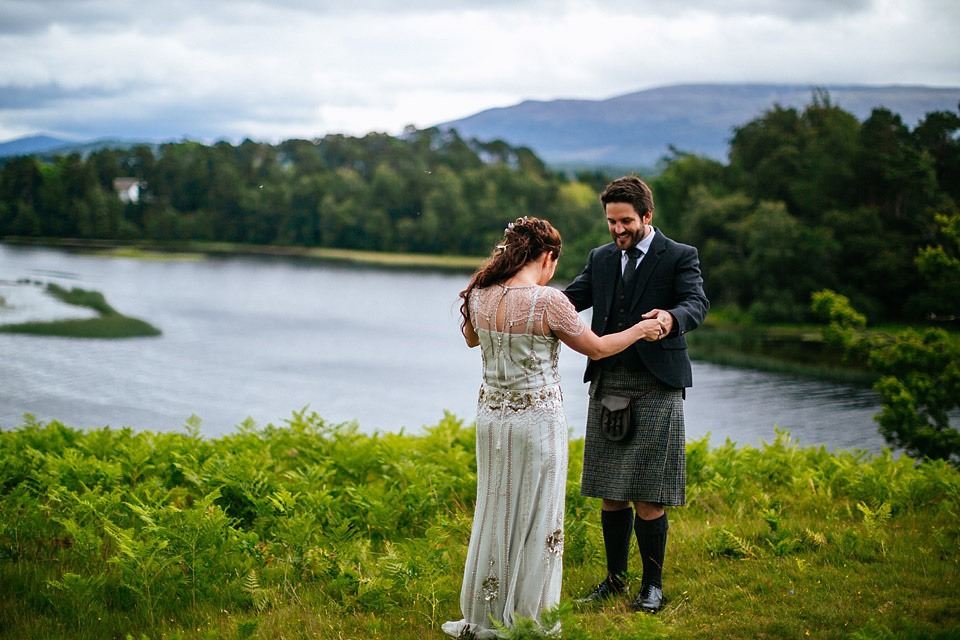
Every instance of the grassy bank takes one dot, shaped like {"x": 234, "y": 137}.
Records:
{"x": 192, "y": 250}
{"x": 730, "y": 339}
{"x": 313, "y": 530}
{"x": 108, "y": 324}
{"x": 796, "y": 350}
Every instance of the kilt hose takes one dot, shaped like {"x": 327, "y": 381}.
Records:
{"x": 651, "y": 464}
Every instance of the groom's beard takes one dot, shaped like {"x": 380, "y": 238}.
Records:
{"x": 629, "y": 239}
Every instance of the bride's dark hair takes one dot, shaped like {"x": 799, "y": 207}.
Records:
{"x": 524, "y": 239}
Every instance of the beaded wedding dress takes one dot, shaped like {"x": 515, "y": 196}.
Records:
{"x": 515, "y": 559}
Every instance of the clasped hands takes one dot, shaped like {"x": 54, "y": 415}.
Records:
{"x": 657, "y": 324}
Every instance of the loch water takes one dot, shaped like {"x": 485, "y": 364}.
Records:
{"x": 260, "y": 337}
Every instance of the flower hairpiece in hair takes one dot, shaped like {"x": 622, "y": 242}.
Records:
{"x": 516, "y": 223}
{"x": 500, "y": 248}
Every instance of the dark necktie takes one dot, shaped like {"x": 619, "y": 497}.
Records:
{"x": 633, "y": 257}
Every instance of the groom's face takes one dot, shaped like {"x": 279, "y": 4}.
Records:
{"x": 627, "y": 227}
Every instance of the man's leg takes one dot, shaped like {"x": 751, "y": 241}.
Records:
{"x": 616, "y": 520}
{"x": 651, "y": 529}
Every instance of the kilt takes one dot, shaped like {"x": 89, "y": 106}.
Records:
{"x": 650, "y": 465}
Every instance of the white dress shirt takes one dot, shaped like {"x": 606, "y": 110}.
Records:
{"x": 643, "y": 245}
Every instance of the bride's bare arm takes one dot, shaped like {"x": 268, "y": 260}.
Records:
{"x": 595, "y": 347}
{"x": 470, "y": 335}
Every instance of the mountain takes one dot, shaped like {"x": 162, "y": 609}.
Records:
{"x": 31, "y": 144}
{"x": 44, "y": 145}
{"x": 637, "y": 129}
{"x": 629, "y": 131}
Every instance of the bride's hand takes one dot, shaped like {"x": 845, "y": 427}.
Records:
{"x": 650, "y": 329}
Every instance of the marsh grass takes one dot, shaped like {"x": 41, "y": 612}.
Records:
{"x": 108, "y": 324}
{"x": 103, "y": 327}
{"x": 137, "y": 253}
{"x": 314, "y": 530}
{"x": 82, "y": 298}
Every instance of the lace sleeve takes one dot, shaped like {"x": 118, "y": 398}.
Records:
{"x": 561, "y": 316}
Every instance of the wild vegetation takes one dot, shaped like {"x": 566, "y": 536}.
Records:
{"x": 109, "y": 323}
{"x": 313, "y": 530}
{"x": 919, "y": 377}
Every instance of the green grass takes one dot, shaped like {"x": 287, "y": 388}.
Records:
{"x": 103, "y": 327}
{"x": 108, "y": 324}
{"x": 314, "y": 530}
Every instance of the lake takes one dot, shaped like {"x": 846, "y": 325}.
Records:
{"x": 262, "y": 337}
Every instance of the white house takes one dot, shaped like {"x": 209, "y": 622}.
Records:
{"x": 127, "y": 189}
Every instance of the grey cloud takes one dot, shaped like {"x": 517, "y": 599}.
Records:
{"x": 34, "y": 16}
{"x": 794, "y": 10}
{"x": 231, "y": 68}
{"x": 134, "y": 112}
{"x": 13, "y": 97}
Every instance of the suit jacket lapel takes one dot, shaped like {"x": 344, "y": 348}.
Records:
{"x": 649, "y": 262}
{"x": 611, "y": 272}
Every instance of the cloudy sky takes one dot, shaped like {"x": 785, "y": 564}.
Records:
{"x": 278, "y": 69}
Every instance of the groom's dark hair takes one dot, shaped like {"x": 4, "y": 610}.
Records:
{"x": 629, "y": 189}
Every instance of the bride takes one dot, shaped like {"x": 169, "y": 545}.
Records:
{"x": 515, "y": 558}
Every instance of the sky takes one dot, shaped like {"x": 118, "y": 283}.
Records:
{"x": 272, "y": 70}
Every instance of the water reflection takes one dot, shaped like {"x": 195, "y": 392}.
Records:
{"x": 263, "y": 337}
{"x": 732, "y": 400}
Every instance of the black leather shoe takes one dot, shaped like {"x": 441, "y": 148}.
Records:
{"x": 607, "y": 589}
{"x": 650, "y": 599}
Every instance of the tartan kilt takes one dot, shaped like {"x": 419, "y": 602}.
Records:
{"x": 649, "y": 466}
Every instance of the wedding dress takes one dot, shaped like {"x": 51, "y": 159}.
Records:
{"x": 515, "y": 558}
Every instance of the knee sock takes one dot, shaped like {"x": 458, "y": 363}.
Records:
{"x": 616, "y": 541}
{"x": 652, "y": 540}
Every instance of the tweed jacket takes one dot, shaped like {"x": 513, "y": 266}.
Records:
{"x": 668, "y": 278}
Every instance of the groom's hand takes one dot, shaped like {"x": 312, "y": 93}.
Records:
{"x": 665, "y": 318}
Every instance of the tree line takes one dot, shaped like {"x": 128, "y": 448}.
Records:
{"x": 814, "y": 199}
{"x": 810, "y": 199}
{"x": 427, "y": 191}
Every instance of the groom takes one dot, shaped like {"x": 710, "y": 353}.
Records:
{"x": 634, "y": 450}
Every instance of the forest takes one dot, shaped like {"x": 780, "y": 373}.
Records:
{"x": 809, "y": 199}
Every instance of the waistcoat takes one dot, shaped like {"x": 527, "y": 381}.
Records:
{"x": 618, "y": 320}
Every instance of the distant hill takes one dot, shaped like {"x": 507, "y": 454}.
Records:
{"x": 635, "y": 130}
{"x": 629, "y": 131}
{"x": 44, "y": 145}
{"x": 31, "y": 144}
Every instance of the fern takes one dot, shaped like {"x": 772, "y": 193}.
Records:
{"x": 814, "y": 539}
{"x": 261, "y": 598}
{"x": 874, "y": 519}
{"x": 723, "y": 542}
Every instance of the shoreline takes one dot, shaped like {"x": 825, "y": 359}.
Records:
{"x": 189, "y": 249}
{"x": 764, "y": 348}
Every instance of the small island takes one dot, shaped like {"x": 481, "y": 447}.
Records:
{"x": 108, "y": 323}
